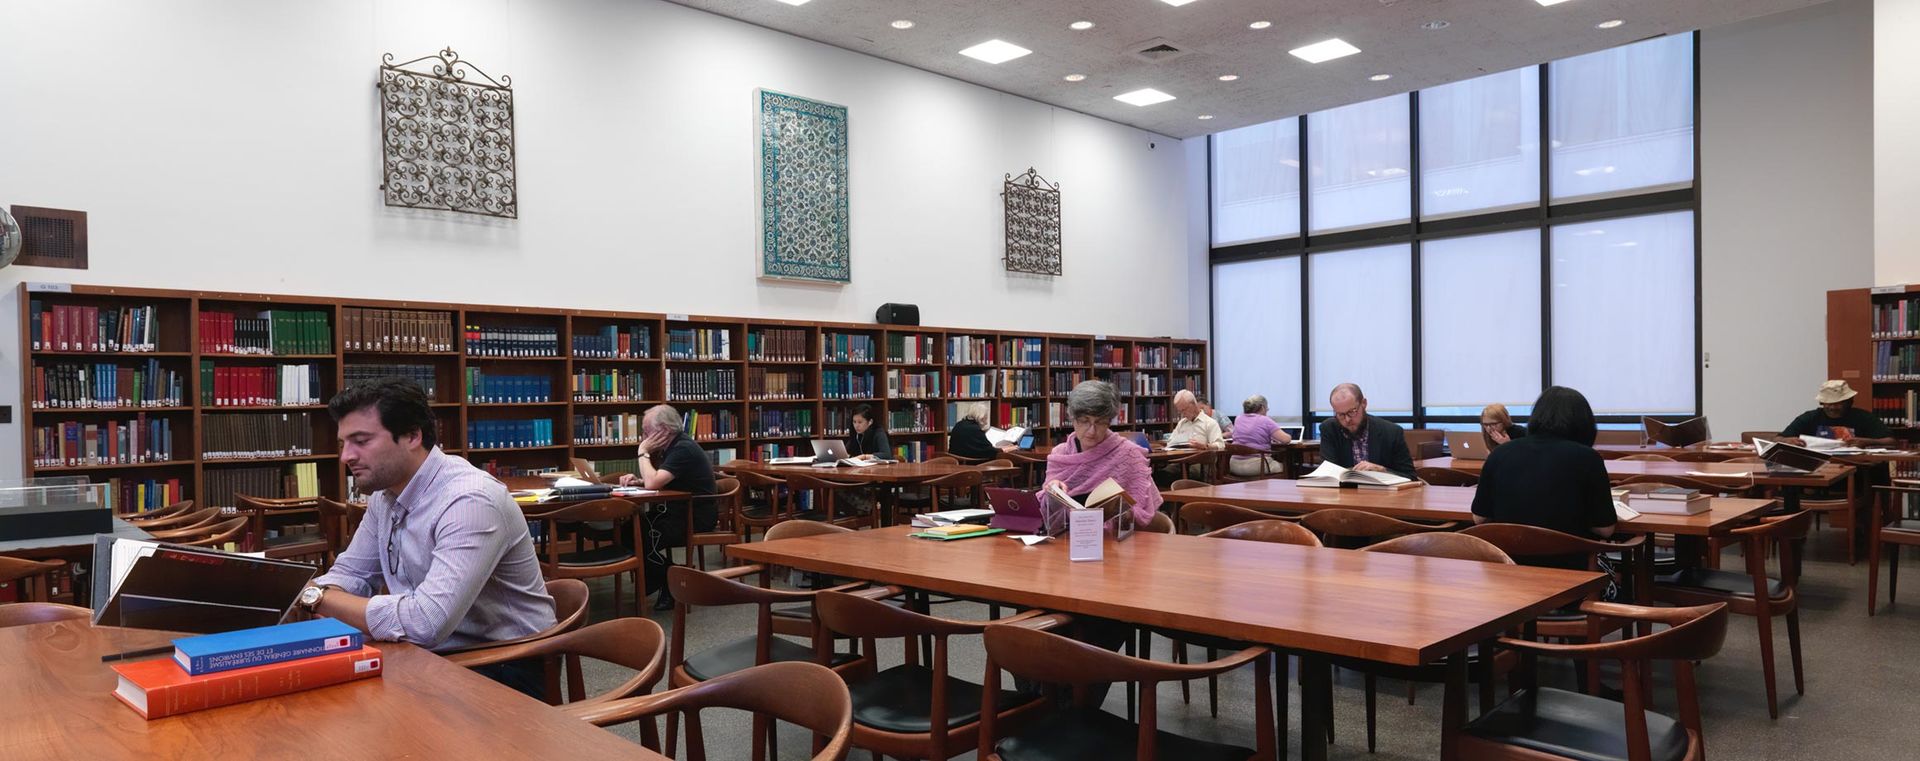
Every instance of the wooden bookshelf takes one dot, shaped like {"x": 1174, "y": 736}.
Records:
{"x": 1870, "y": 359}
{"x": 754, "y": 386}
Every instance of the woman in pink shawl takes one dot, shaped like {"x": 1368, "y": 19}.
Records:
{"x": 1094, "y": 454}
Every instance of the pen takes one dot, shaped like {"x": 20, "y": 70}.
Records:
{"x": 136, "y": 654}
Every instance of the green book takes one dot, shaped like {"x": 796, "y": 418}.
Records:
{"x": 955, "y": 537}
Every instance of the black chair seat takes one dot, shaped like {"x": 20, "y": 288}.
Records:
{"x": 1724, "y": 582}
{"x": 1082, "y": 733}
{"x": 721, "y": 660}
{"x": 957, "y": 502}
{"x": 1575, "y": 726}
{"x": 900, "y": 699}
{"x": 1433, "y": 671}
{"x": 758, "y": 512}
{"x": 1663, "y": 560}
{"x": 604, "y": 555}
{"x": 1903, "y": 525}
{"x": 1202, "y": 640}
{"x": 804, "y": 610}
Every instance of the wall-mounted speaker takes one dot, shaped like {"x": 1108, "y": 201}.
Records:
{"x": 897, "y": 314}
{"x": 52, "y": 237}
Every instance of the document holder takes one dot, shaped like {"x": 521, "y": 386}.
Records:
{"x": 191, "y": 589}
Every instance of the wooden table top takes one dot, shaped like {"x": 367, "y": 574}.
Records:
{"x": 1723, "y": 473}
{"x": 1393, "y": 608}
{"x": 1445, "y": 503}
{"x": 890, "y": 473}
{"x": 58, "y": 700}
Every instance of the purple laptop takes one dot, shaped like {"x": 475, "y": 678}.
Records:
{"x": 1023, "y": 512}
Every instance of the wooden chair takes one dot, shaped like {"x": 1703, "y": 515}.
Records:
{"x": 1435, "y": 544}
{"x": 1747, "y": 437}
{"x": 1212, "y": 516}
{"x": 339, "y": 521}
{"x": 824, "y": 491}
{"x": 1537, "y": 723}
{"x": 1340, "y": 527}
{"x": 1161, "y": 523}
{"x": 1031, "y": 463}
{"x": 1533, "y": 545}
{"x": 24, "y": 613}
{"x": 917, "y": 500}
{"x": 1446, "y": 477}
{"x": 726, "y": 495}
{"x": 1426, "y": 443}
{"x": 141, "y": 518}
{"x": 916, "y": 710}
{"x": 1698, "y": 456}
{"x": 1754, "y": 593}
{"x": 1646, "y": 457}
{"x": 180, "y": 520}
{"x": 1269, "y": 467}
{"x": 23, "y": 573}
{"x": 1204, "y": 459}
{"x": 1027, "y": 649}
{"x": 1889, "y": 531}
{"x": 610, "y": 559}
{"x": 569, "y": 611}
{"x": 1187, "y": 483}
{"x": 634, "y": 643}
{"x": 800, "y": 693}
{"x": 1266, "y": 529}
{"x": 959, "y": 490}
{"x": 1620, "y": 437}
{"x": 212, "y": 535}
{"x": 764, "y": 512}
{"x": 259, "y": 510}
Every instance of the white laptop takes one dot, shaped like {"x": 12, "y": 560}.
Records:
{"x": 829, "y": 450}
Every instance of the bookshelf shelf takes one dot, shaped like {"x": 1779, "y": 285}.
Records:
{"x": 496, "y": 405}
{"x": 262, "y": 408}
{"x": 367, "y": 353}
{"x": 493, "y": 450}
{"x": 251, "y": 460}
{"x": 61, "y": 411}
{"x": 629, "y": 445}
{"x": 113, "y": 354}
{"x": 801, "y": 437}
{"x": 116, "y": 466}
{"x": 723, "y": 440}
{"x": 264, "y": 357}
{"x": 618, "y": 360}
{"x": 627, "y": 403}
{"x": 706, "y": 401}
{"x": 484, "y": 358}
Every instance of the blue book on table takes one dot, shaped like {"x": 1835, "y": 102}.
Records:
{"x": 225, "y": 651}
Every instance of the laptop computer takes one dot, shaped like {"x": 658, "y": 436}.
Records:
{"x": 1139, "y": 438}
{"x": 1467, "y": 445}
{"x": 829, "y": 450}
{"x": 1023, "y": 512}
{"x": 1295, "y": 432}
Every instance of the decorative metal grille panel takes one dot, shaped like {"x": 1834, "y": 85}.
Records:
{"x": 803, "y": 189}
{"x": 447, "y": 143}
{"x": 1033, "y": 224}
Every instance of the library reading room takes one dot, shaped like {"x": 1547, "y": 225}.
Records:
{"x": 1079, "y": 380}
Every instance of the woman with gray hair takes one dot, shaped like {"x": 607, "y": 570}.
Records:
{"x": 1093, "y": 454}
{"x": 1254, "y": 430}
{"x": 969, "y": 436}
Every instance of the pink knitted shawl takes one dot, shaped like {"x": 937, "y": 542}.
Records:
{"x": 1117, "y": 458}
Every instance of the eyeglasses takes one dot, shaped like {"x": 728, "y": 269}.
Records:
{"x": 393, "y": 535}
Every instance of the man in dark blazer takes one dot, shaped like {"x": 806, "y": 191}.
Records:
{"x": 1361, "y": 441}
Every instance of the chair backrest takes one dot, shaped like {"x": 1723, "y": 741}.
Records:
{"x": 797, "y": 528}
{"x": 1747, "y": 437}
{"x": 273, "y": 505}
{"x": 806, "y": 694}
{"x": 635, "y": 643}
{"x": 1043, "y": 656}
{"x": 1526, "y": 542}
{"x": 1420, "y": 435}
{"x": 185, "y": 519}
{"x": 1239, "y": 450}
{"x": 946, "y": 458}
{"x": 569, "y": 603}
{"x": 1267, "y": 530}
{"x": 965, "y": 460}
{"x": 597, "y": 510}
{"x": 754, "y": 479}
{"x": 810, "y": 482}
{"x": 1446, "y": 477}
{"x": 1619, "y": 437}
{"x": 1787, "y": 534}
{"x": 1161, "y": 523}
{"x": 215, "y": 535}
{"x": 1213, "y": 516}
{"x": 138, "y": 517}
{"x": 1647, "y": 483}
{"x": 1646, "y": 457}
{"x": 1188, "y": 483}
{"x": 957, "y": 480}
{"x": 339, "y": 521}
{"x": 18, "y": 571}
{"x": 23, "y": 613}
{"x": 1341, "y": 523}
{"x": 1441, "y": 544}
{"x": 1699, "y": 456}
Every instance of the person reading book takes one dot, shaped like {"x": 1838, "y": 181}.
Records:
{"x": 1194, "y": 428}
{"x": 1837, "y": 418}
{"x": 1361, "y": 441}
{"x": 441, "y": 536}
{"x": 1551, "y": 478}
{"x": 669, "y": 459}
{"x": 969, "y": 436}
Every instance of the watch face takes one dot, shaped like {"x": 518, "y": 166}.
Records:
{"x": 310, "y": 596}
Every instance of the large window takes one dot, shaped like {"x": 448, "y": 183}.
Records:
{"x": 1469, "y": 244}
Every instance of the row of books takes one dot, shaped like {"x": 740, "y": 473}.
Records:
{"x": 271, "y": 385}
{"x": 112, "y": 442}
{"x": 493, "y": 388}
{"x": 1186, "y": 357}
{"x": 970, "y": 350}
{"x": 272, "y": 331}
{"x": 1066, "y": 354}
{"x": 777, "y": 345}
{"x": 1900, "y": 410}
{"x": 700, "y": 343}
{"x": 1897, "y": 319}
{"x": 615, "y": 342}
{"x": 1063, "y": 381}
{"x": 1018, "y": 415}
{"x": 609, "y": 386}
{"x": 839, "y": 421}
{"x": 712, "y": 425}
{"x": 915, "y": 451}
{"x": 220, "y": 485}
{"x": 423, "y": 376}
{"x": 717, "y": 384}
{"x": 910, "y": 350}
{"x": 66, "y": 327}
{"x": 396, "y": 331}
{"x": 848, "y": 384}
{"x": 776, "y": 384}
{"x": 1023, "y": 351}
{"x": 765, "y": 452}
{"x": 845, "y": 347}
{"x": 1189, "y": 382}
{"x": 620, "y": 428}
{"x": 1149, "y": 412}
{"x": 1897, "y": 362}
{"x": 1109, "y": 355}
{"x": 508, "y": 434}
{"x": 1020, "y": 383}
{"x": 506, "y": 341}
{"x": 775, "y": 421}
{"x": 1149, "y": 384}
{"x": 138, "y": 495}
{"x": 1150, "y": 356}
{"x": 912, "y": 418}
{"x": 970, "y": 386}
{"x": 253, "y": 435}
{"x": 904, "y": 384}
{"x": 1122, "y": 380}
{"x": 501, "y": 470}
{"x": 68, "y": 385}
{"x": 618, "y": 465}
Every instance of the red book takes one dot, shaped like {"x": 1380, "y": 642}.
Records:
{"x": 159, "y": 687}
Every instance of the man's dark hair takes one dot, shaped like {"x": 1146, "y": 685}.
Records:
{"x": 403, "y": 406}
{"x": 1564, "y": 413}
{"x": 865, "y": 411}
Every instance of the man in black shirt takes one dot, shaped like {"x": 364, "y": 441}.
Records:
{"x": 1361, "y": 441}
{"x": 669, "y": 459}
{"x": 1838, "y": 419}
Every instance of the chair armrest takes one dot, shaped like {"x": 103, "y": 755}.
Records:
{"x": 738, "y": 571}
{"x": 1034, "y": 619}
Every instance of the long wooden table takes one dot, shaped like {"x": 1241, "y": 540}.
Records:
{"x": 1318, "y": 602}
{"x": 58, "y": 700}
{"x": 889, "y": 473}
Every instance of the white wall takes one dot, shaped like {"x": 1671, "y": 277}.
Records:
{"x": 1896, "y": 119}
{"x": 225, "y": 144}
{"x": 1787, "y": 157}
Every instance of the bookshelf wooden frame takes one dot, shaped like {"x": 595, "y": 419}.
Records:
{"x": 179, "y": 343}
{"x": 1852, "y": 346}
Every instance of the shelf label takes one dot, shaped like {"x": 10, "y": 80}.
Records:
{"x": 1100, "y": 337}
{"x": 677, "y": 317}
{"x": 50, "y": 288}
{"x": 1877, "y": 290}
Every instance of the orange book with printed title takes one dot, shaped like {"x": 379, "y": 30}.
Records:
{"x": 159, "y": 688}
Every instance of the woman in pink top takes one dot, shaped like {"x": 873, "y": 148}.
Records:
{"x": 1253, "y": 429}
{"x": 1093, "y": 454}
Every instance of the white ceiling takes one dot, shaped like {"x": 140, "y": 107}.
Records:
{"x": 1481, "y": 36}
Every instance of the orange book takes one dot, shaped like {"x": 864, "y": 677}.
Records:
{"x": 159, "y": 687}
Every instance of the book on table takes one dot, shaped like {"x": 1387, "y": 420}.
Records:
{"x": 1648, "y": 503}
{"x": 1002, "y": 437}
{"x": 159, "y": 688}
{"x": 1332, "y": 476}
{"x": 952, "y": 517}
{"x": 956, "y": 531}
{"x": 245, "y": 648}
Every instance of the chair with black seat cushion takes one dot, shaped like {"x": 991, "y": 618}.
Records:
{"x": 1754, "y": 593}
{"x": 216, "y": 535}
{"x": 1645, "y": 457}
{"x": 914, "y": 499}
{"x": 633, "y": 643}
{"x": 1031, "y": 463}
{"x": 139, "y": 518}
{"x": 915, "y": 710}
{"x": 180, "y": 520}
{"x": 726, "y": 492}
{"x": 826, "y": 506}
{"x": 1028, "y": 649}
{"x": 761, "y": 503}
{"x": 610, "y": 558}
{"x": 1533, "y": 545}
{"x": 801, "y": 693}
{"x": 1889, "y": 533}
{"x": 260, "y": 510}
{"x": 1446, "y": 477}
{"x": 569, "y": 611}
{"x": 338, "y": 523}
{"x": 1426, "y": 443}
{"x": 1352, "y": 529}
{"x": 1540, "y": 723}
{"x": 1269, "y": 467}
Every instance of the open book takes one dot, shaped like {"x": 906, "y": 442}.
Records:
{"x": 801, "y": 460}
{"x": 999, "y": 437}
{"x": 1108, "y": 497}
{"x": 1682, "y": 434}
{"x": 1331, "y": 476}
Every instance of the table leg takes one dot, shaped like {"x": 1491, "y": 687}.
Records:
{"x": 1316, "y": 705}
{"x": 1453, "y": 711}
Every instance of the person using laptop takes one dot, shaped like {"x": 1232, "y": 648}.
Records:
{"x": 969, "y": 436}
{"x": 1361, "y": 441}
{"x": 441, "y": 537}
{"x": 1498, "y": 426}
{"x": 1837, "y": 418}
{"x": 869, "y": 439}
{"x": 1253, "y": 429}
{"x": 1551, "y": 478}
{"x": 669, "y": 459}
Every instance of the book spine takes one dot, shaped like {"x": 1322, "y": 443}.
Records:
{"x": 215, "y": 662}
{"x": 233, "y": 687}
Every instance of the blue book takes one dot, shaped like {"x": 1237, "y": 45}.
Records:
{"x": 226, "y": 651}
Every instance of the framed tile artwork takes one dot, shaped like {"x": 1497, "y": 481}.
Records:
{"x": 802, "y": 163}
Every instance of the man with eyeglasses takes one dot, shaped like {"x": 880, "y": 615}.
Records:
{"x": 442, "y": 537}
{"x": 1361, "y": 441}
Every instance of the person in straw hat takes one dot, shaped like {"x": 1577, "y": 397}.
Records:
{"x": 1837, "y": 418}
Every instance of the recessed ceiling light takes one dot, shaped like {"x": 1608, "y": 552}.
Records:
{"x": 1542, "y": 2}
{"x": 994, "y": 51}
{"x": 1608, "y": 24}
{"x": 1145, "y": 96}
{"x": 795, "y": 2}
{"x": 903, "y": 24}
{"x": 1229, "y": 77}
{"x": 1260, "y": 25}
{"x": 1436, "y": 24}
{"x": 1176, "y": 3}
{"x": 1074, "y": 77}
{"x": 1080, "y": 26}
{"x": 1204, "y": 117}
{"x": 1381, "y": 77}
{"x": 1325, "y": 50}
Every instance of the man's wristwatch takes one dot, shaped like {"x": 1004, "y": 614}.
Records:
{"x": 310, "y": 597}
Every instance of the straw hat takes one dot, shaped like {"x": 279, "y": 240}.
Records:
{"x": 1834, "y": 391}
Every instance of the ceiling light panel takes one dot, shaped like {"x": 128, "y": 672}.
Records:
{"x": 993, "y": 51}
{"x": 1323, "y": 51}
{"x": 1145, "y": 96}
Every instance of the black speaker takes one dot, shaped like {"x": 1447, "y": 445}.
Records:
{"x": 897, "y": 314}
